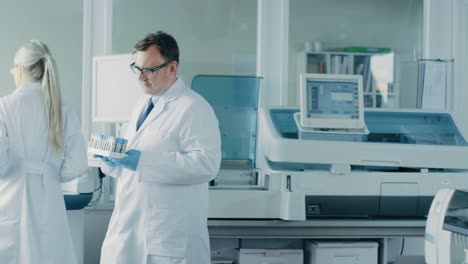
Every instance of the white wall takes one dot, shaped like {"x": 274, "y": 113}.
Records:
{"x": 396, "y": 24}
{"x": 55, "y": 22}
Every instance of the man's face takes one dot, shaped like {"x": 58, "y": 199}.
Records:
{"x": 159, "y": 80}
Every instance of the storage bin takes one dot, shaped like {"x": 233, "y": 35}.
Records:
{"x": 341, "y": 252}
{"x": 267, "y": 256}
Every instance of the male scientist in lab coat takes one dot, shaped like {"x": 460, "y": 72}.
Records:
{"x": 161, "y": 204}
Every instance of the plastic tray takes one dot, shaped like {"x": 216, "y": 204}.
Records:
{"x": 106, "y": 153}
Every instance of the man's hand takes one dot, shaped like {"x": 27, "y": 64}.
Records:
{"x": 111, "y": 162}
{"x": 131, "y": 160}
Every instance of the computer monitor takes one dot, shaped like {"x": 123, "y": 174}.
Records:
{"x": 331, "y": 101}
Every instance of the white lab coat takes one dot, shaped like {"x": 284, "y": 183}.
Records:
{"x": 33, "y": 222}
{"x": 161, "y": 209}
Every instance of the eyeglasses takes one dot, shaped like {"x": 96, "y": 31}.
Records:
{"x": 12, "y": 68}
{"x": 147, "y": 72}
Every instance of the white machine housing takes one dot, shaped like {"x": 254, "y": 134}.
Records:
{"x": 441, "y": 245}
{"x": 327, "y": 177}
{"x": 271, "y": 170}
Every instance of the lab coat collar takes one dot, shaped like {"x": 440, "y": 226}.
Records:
{"x": 30, "y": 88}
{"x": 160, "y": 101}
{"x": 170, "y": 93}
{"x": 173, "y": 91}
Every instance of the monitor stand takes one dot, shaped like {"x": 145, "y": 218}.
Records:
{"x": 337, "y": 134}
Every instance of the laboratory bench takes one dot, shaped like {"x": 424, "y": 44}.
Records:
{"x": 324, "y": 228}
{"x": 227, "y": 236}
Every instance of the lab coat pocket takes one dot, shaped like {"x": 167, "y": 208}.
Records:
{"x": 4, "y": 160}
{"x": 167, "y": 232}
{"x": 8, "y": 241}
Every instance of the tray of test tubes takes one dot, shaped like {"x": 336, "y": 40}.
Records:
{"x": 107, "y": 146}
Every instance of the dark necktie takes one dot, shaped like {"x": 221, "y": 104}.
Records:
{"x": 145, "y": 113}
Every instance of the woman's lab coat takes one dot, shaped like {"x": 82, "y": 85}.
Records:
{"x": 33, "y": 221}
{"x": 161, "y": 209}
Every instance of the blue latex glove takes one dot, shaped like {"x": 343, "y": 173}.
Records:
{"x": 111, "y": 162}
{"x": 131, "y": 160}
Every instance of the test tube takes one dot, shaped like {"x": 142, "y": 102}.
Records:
{"x": 90, "y": 142}
{"x": 113, "y": 143}
{"x": 98, "y": 141}
{"x": 108, "y": 143}
{"x": 95, "y": 141}
{"x": 118, "y": 145}
{"x": 101, "y": 141}
{"x": 104, "y": 139}
{"x": 124, "y": 146}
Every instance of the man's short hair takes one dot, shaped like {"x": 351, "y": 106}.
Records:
{"x": 165, "y": 42}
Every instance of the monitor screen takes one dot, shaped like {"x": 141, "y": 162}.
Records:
{"x": 331, "y": 101}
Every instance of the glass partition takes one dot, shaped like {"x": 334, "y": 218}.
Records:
{"x": 57, "y": 23}
{"x": 234, "y": 100}
{"x": 214, "y": 36}
{"x": 366, "y": 37}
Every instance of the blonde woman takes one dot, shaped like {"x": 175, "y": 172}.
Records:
{"x": 41, "y": 145}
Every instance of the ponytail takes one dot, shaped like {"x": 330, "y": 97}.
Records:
{"x": 37, "y": 60}
{"x": 53, "y": 102}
